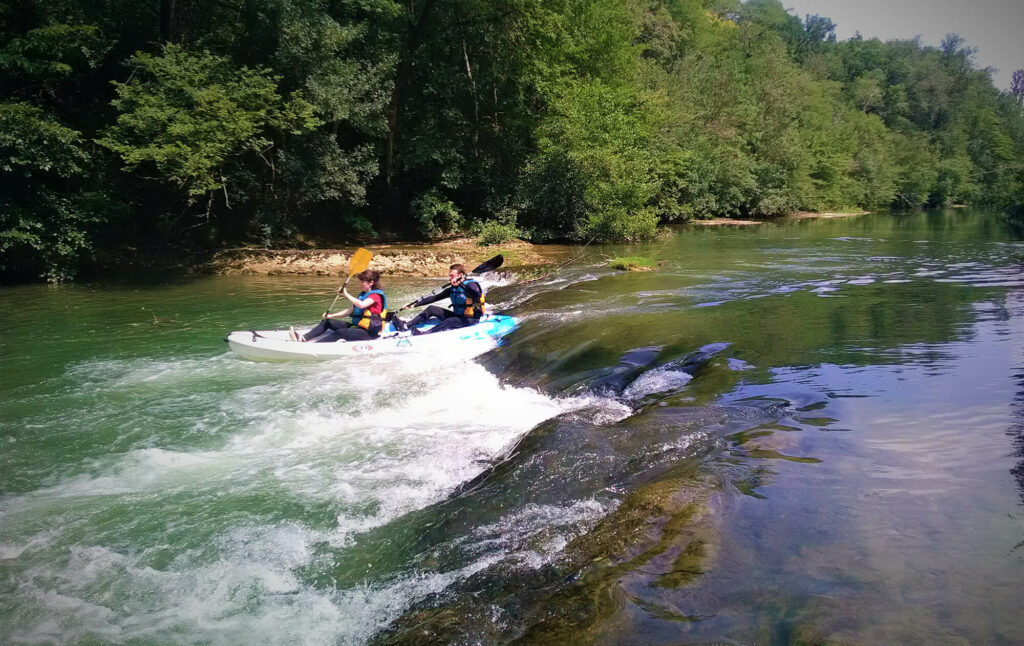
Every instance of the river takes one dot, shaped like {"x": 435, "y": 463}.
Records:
{"x": 805, "y": 431}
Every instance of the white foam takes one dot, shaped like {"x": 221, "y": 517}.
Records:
{"x": 596, "y": 409}
{"x": 250, "y": 591}
{"x": 370, "y": 442}
{"x": 535, "y": 535}
{"x": 10, "y": 551}
{"x": 658, "y": 380}
{"x": 139, "y": 471}
{"x": 496, "y": 279}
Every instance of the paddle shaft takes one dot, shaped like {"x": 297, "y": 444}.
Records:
{"x": 484, "y": 267}
{"x": 336, "y": 296}
{"x": 359, "y": 261}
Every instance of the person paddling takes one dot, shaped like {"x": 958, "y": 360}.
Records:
{"x": 366, "y": 316}
{"x": 467, "y": 298}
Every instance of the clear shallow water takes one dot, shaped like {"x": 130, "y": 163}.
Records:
{"x": 806, "y": 431}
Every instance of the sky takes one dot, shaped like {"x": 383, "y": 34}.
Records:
{"x": 994, "y": 27}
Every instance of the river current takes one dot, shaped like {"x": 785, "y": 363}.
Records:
{"x": 805, "y": 431}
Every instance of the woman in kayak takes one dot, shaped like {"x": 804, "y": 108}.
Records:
{"x": 366, "y": 316}
{"x": 467, "y": 297}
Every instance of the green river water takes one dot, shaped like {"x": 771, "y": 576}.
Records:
{"x": 808, "y": 431}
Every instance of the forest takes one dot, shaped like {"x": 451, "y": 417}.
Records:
{"x": 136, "y": 130}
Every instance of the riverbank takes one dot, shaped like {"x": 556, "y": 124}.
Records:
{"x": 417, "y": 259}
{"x": 407, "y": 259}
{"x": 798, "y": 215}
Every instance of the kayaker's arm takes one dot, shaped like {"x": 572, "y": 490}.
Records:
{"x": 433, "y": 298}
{"x": 337, "y": 315}
{"x": 361, "y": 304}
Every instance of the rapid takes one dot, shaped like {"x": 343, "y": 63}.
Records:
{"x": 804, "y": 431}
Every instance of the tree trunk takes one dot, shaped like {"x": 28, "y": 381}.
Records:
{"x": 166, "y": 20}
{"x": 476, "y": 103}
{"x": 389, "y": 156}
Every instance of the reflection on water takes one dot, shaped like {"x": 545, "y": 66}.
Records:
{"x": 805, "y": 432}
{"x": 1016, "y": 429}
{"x": 1016, "y": 432}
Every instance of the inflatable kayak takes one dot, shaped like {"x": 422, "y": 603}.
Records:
{"x": 466, "y": 342}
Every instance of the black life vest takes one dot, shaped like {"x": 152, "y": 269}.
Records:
{"x": 462, "y": 302}
{"x": 372, "y": 323}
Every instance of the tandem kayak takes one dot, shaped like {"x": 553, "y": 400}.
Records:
{"x": 466, "y": 342}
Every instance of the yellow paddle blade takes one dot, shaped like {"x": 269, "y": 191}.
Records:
{"x": 359, "y": 261}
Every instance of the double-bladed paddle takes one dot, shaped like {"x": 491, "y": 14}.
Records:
{"x": 359, "y": 261}
{"x": 486, "y": 266}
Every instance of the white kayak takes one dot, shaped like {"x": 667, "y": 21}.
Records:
{"x": 466, "y": 342}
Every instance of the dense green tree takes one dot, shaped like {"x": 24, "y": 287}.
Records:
{"x": 1017, "y": 86}
{"x": 48, "y": 208}
{"x": 193, "y": 119}
{"x": 601, "y": 137}
{"x": 256, "y": 120}
{"x": 51, "y": 203}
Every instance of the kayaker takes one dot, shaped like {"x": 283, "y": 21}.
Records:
{"x": 467, "y": 297}
{"x": 366, "y": 316}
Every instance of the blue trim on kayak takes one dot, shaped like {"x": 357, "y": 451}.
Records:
{"x": 493, "y": 325}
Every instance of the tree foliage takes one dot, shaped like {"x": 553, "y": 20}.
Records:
{"x": 47, "y": 207}
{"x": 188, "y": 115}
{"x": 242, "y": 121}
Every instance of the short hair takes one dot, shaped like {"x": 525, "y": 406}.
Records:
{"x": 458, "y": 267}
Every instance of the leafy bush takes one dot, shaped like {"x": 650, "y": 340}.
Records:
{"x": 493, "y": 232}
{"x": 358, "y": 226}
{"x": 501, "y": 229}
{"x": 632, "y": 263}
{"x": 435, "y": 216}
{"x": 551, "y": 197}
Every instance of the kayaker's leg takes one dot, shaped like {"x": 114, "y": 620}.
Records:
{"x": 432, "y": 312}
{"x": 326, "y": 331}
{"x": 452, "y": 322}
{"x": 330, "y": 336}
{"x": 354, "y": 334}
{"x": 398, "y": 323}
{"x": 320, "y": 328}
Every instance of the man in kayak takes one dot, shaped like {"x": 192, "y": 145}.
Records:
{"x": 467, "y": 297}
{"x": 365, "y": 316}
